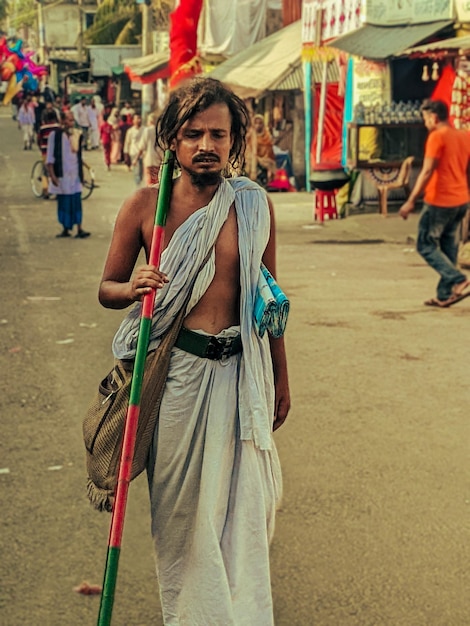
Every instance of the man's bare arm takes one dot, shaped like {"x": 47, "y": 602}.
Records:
{"x": 429, "y": 165}
{"x": 119, "y": 286}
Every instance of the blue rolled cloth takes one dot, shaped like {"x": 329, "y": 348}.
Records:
{"x": 271, "y": 307}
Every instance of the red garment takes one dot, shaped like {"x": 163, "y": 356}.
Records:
{"x": 105, "y": 133}
{"x": 107, "y": 154}
{"x": 444, "y": 86}
{"x": 183, "y": 41}
{"x": 332, "y": 127}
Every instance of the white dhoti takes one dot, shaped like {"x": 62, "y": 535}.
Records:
{"x": 213, "y": 500}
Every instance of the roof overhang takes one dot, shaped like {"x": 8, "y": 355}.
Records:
{"x": 454, "y": 45}
{"x": 273, "y": 64}
{"x": 263, "y": 66}
{"x": 383, "y": 42}
{"x": 149, "y": 68}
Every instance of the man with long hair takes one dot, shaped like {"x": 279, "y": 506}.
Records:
{"x": 213, "y": 471}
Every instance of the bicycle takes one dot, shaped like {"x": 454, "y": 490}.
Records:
{"x": 39, "y": 171}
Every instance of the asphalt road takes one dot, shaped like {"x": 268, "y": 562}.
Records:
{"x": 374, "y": 526}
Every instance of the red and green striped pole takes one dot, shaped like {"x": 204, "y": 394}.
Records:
{"x": 132, "y": 417}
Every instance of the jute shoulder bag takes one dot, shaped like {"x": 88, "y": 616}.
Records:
{"x": 103, "y": 425}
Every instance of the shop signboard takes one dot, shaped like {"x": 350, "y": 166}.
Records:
{"x": 395, "y": 12}
{"x": 371, "y": 82}
{"x": 323, "y": 20}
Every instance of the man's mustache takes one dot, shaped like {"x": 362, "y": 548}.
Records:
{"x": 208, "y": 156}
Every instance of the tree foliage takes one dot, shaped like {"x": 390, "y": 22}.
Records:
{"x": 3, "y": 9}
{"x": 120, "y": 21}
{"x": 21, "y": 12}
{"x": 111, "y": 18}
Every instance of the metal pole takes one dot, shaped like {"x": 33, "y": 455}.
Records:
{"x": 80, "y": 32}
{"x": 147, "y": 90}
{"x": 308, "y": 120}
{"x": 42, "y": 33}
{"x": 132, "y": 417}
{"x": 321, "y": 113}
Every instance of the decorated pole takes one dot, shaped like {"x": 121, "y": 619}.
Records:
{"x": 132, "y": 416}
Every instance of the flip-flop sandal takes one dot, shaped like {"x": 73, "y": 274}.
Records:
{"x": 455, "y": 298}
{"x": 445, "y": 304}
{"x": 435, "y": 302}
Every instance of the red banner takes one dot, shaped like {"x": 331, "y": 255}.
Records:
{"x": 184, "y": 62}
{"x": 332, "y": 128}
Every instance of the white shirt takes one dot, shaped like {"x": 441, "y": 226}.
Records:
{"x": 132, "y": 142}
{"x": 69, "y": 183}
{"x": 152, "y": 155}
{"x": 80, "y": 114}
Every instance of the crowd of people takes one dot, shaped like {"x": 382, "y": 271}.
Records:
{"x": 63, "y": 130}
{"x": 103, "y": 126}
{"x": 88, "y": 124}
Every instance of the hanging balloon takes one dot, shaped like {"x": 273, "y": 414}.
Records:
{"x": 7, "y": 70}
{"x": 13, "y": 88}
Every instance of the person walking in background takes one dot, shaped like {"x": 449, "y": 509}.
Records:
{"x": 50, "y": 122}
{"x": 65, "y": 168}
{"x": 49, "y": 112}
{"x": 58, "y": 105}
{"x": 93, "y": 116}
{"x": 26, "y": 120}
{"x": 106, "y": 131}
{"x": 128, "y": 112}
{"x": 116, "y": 146}
{"x": 213, "y": 471}
{"x": 151, "y": 152}
{"x": 124, "y": 124}
{"x": 82, "y": 120}
{"x": 132, "y": 149}
{"x": 444, "y": 178}
{"x": 39, "y": 108}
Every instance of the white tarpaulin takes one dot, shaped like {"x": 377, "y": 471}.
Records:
{"x": 227, "y": 27}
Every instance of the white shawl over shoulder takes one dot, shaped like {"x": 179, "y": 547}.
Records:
{"x": 181, "y": 262}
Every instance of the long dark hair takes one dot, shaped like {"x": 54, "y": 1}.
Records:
{"x": 196, "y": 96}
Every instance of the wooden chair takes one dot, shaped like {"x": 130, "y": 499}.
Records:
{"x": 402, "y": 182}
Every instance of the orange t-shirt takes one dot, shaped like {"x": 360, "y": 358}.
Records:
{"x": 448, "y": 186}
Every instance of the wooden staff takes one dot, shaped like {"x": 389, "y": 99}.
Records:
{"x": 132, "y": 416}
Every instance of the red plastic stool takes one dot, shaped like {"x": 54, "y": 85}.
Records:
{"x": 325, "y": 205}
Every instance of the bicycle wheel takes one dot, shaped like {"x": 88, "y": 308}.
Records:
{"x": 37, "y": 173}
{"x": 88, "y": 182}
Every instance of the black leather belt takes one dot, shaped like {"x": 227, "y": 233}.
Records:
{"x": 208, "y": 346}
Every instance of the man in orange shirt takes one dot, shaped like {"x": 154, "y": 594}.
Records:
{"x": 444, "y": 178}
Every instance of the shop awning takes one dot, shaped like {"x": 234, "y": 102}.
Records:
{"x": 148, "y": 68}
{"x": 382, "y": 42}
{"x": 455, "y": 44}
{"x": 272, "y": 64}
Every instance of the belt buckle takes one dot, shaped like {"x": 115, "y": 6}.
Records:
{"x": 218, "y": 349}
